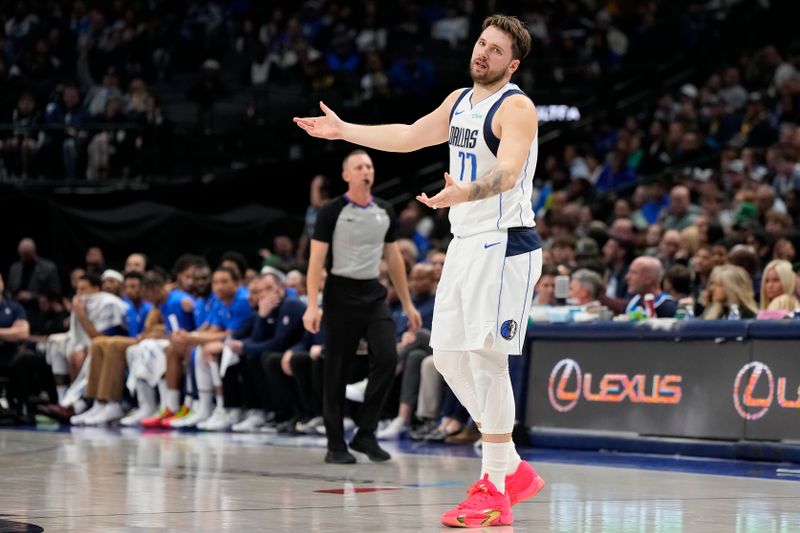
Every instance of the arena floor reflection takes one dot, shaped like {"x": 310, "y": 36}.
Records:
{"x": 91, "y": 479}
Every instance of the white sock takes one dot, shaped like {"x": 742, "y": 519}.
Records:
{"x": 146, "y": 396}
{"x": 513, "y": 460}
{"x": 188, "y": 400}
{"x": 173, "y": 401}
{"x": 206, "y": 399}
{"x": 61, "y": 390}
{"x": 216, "y": 379}
{"x": 495, "y": 458}
{"x": 162, "y": 392}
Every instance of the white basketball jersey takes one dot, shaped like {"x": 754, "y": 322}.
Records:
{"x": 473, "y": 152}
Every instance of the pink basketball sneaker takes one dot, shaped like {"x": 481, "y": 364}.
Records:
{"x": 523, "y": 484}
{"x": 484, "y": 506}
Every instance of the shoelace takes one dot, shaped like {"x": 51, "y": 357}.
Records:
{"x": 478, "y": 491}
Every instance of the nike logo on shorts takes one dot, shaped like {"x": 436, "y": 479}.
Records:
{"x": 490, "y": 244}
{"x": 458, "y": 112}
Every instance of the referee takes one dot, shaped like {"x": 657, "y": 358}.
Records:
{"x": 353, "y": 232}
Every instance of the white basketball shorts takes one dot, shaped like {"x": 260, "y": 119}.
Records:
{"x": 485, "y": 294}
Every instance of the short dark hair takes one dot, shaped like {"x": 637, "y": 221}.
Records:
{"x": 549, "y": 269}
{"x": 237, "y": 258}
{"x": 520, "y": 36}
{"x": 93, "y": 279}
{"x": 154, "y": 280}
{"x": 680, "y": 278}
{"x": 185, "y": 262}
{"x": 134, "y": 275}
{"x": 231, "y": 272}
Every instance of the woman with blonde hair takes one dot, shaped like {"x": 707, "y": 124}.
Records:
{"x": 729, "y": 285}
{"x": 778, "y": 286}
{"x": 690, "y": 239}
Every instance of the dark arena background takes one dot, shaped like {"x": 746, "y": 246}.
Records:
{"x": 659, "y": 385}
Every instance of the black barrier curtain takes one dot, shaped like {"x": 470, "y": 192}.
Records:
{"x": 162, "y": 232}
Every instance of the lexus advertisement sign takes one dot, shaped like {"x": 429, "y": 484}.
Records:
{"x": 766, "y": 391}
{"x": 646, "y": 387}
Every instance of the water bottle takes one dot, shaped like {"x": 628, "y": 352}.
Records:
{"x": 734, "y": 313}
{"x": 649, "y": 305}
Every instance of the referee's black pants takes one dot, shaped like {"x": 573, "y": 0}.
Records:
{"x": 356, "y": 309}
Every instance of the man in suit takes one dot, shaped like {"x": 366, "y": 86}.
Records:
{"x": 32, "y": 275}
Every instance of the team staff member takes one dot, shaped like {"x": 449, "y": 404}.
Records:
{"x": 353, "y": 232}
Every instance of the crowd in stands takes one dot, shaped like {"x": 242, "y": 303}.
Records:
{"x": 85, "y": 82}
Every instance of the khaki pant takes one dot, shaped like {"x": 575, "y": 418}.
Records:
{"x": 107, "y": 369}
{"x": 430, "y": 390}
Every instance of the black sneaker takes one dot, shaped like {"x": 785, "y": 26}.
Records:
{"x": 369, "y": 445}
{"x": 419, "y": 432}
{"x": 342, "y": 457}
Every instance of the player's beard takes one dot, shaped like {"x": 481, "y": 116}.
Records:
{"x": 488, "y": 76}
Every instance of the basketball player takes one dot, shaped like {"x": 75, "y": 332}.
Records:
{"x": 495, "y": 259}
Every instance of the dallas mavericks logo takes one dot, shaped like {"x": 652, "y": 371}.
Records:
{"x": 508, "y": 329}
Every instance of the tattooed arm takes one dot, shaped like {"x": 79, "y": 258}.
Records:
{"x": 515, "y": 125}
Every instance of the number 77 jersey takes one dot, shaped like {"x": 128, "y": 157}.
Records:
{"x": 473, "y": 152}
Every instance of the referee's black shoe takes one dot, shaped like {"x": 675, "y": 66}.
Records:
{"x": 340, "y": 457}
{"x": 368, "y": 444}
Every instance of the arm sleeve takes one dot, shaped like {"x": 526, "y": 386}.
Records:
{"x": 242, "y": 312}
{"x": 391, "y": 233}
{"x": 326, "y": 221}
{"x": 18, "y": 312}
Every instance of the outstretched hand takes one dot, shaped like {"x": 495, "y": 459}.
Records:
{"x": 328, "y": 126}
{"x": 452, "y": 194}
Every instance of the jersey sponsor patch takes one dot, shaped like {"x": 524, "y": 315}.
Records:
{"x": 508, "y": 329}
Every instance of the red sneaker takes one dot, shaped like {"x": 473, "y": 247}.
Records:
{"x": 524, "y": 483}
{"x": 155, "y": 420}
{"x": 183, "y": 412}
{"x": 484, "y": 506}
